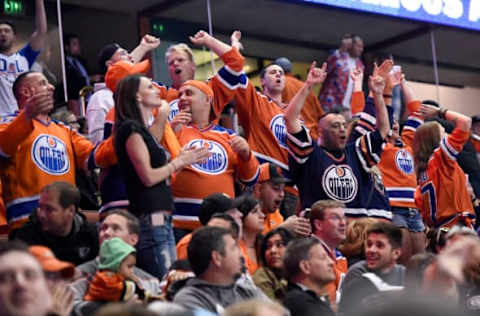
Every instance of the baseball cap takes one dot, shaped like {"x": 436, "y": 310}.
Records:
{"x": 105, "y": 54}
{"x": 214, "y": 203}
{"x": 50, "y": 263}
{"x": 122, "y": 69}
{"x": 112, "y": 253}
{"x": 271, "y": 172}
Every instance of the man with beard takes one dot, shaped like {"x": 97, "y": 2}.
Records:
{"x": 344, "y": 171}
{"x": 215, "y": 258}
{"x": 15, "y": 63}
{"x": 378, "y": 273}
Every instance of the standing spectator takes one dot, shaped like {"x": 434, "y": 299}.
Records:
{"x": 231, "y": 158}
{"x": 312, "y": 110}
{"x": 308, "y": 269}
{"x": 215, "y": 259}
{"x": 23, "y": 287}
{"x": 147, "y": 171}
{"x": 329, "y": 225}
{"x": 338, "y": 86}
{"x": 42, "y": 65}
{"x": 378, "y": 273}
{"x": 438, "y": 171}
{"x": 270, "y": 191}
{"x": 270, "y": 277}
{"x": 16, "y": 63}
{"x": 101, "y": 101}
{"x": 37, "y": 150}
{"x": 76, "y": 71}
{"x": 344, "y": 168}
{"x": 58, "y": 225}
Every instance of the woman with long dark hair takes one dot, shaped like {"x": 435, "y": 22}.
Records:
{"x": 270, "y": 277}
{"x": 147, "y": 169}
{"x": 444, "y": 200}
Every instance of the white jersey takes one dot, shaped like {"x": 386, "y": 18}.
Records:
{"x": 10, "y": 68}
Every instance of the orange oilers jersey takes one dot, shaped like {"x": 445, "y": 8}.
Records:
{"x": 311, "y": 111}
{"x": 272, "y": 220}
{"x": 397, "y": 162}
{"x": 234, "y": 62}
{"x": 261, "y": 118}
{"x": 36, "y": 154}
{"x": 444, "y": 198}
{"x": 216, "y": 174}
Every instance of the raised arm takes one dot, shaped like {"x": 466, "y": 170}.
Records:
{"x": 140, "y": 157}
{"x": 37, "y": 40}
{"x": 377, "y": 84}
{"x": 147, "y": 44}
{"x": 461, "y": 121}
{"x": 215, "y": 45}
{"x": 292, "y": 113}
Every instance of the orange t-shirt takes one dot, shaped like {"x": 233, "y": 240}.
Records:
{"x": 272, "y": 220}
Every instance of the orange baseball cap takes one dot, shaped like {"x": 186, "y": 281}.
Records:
{"x": 50, "y": 263}
{"x": 122, "y": 69}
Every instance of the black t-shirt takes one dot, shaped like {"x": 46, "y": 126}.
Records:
{"x": 143, "y": 200}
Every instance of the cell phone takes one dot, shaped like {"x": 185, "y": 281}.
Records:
{"x": 396, "y": 68}
{"x": 305, "y": 213}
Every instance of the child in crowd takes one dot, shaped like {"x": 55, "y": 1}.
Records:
{"x": 114, "y": 280}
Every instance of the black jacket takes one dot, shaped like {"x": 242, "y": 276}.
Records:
{"x": 305, "y": 303}
{"x": 80, "y": 246}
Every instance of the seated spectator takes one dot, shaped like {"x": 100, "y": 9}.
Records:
{"x": 253, "y": 223}
{"x": 23, "y": 287}
{"x": 353, "y": 245}
{"x": 215, "y": 259}
{"x": 270, "y": 277}
{"x": 308, "y": 269}
{"x": 256, "y": 308}
{"x": 114, "y": 280}
{"x": 58, "y": 225}
{"x": 216, "y": 203}
{"x": 57, "y": 274}
{"x": 329, "y": 225}
{"x": 378, "y": 273}
{"x": 116, "y": 223}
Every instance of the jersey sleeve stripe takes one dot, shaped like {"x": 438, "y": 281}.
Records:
{"x": 231, "y": 80}
{"x": 253, "y": 180}
{"x": 450, "y": 152}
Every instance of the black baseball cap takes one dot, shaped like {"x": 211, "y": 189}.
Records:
{"x": 105, "y": 54}
{"x": 214, "y": 203}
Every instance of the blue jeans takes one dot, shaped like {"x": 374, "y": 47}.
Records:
{"x": 156, "y": 247}
{"x": 408, "y": 218}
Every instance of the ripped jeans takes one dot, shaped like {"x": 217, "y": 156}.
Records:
{"x": 156, "y": 246}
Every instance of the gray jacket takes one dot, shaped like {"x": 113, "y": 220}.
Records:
{"x": 198, "y": 294}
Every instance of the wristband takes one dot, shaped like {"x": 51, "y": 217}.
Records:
{"x": 442, "y": 112}
{"x": 387, "y": 96}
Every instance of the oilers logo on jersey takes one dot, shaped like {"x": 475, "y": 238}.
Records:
{"x": 404, "y": 161}
{"x": 277, "y": 126}
{"x": 216, "y": 163}
{"x": 173, "y": 109}
{"x": 339, "y": 183}
{"x": 50, "y": 155}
